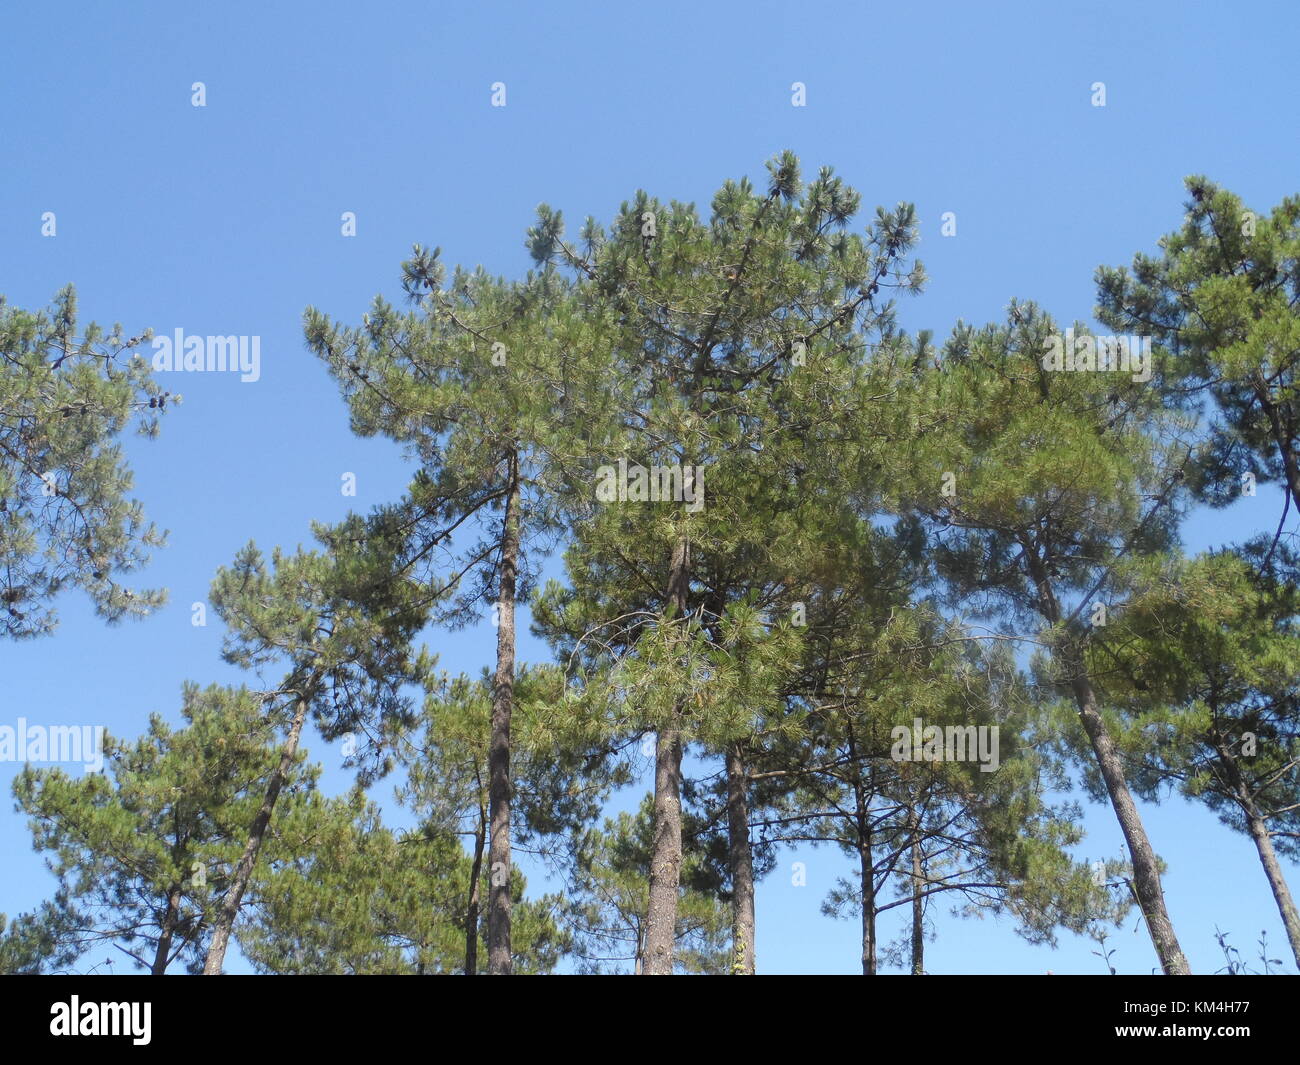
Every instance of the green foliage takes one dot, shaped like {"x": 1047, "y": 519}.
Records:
{"x": 1201, "y": 670}
{"x": 141, "y": 851}
{"x": 66, "y": 516}
{"x": 1222, "y": 294}
{"x": 864, "y": 501}
{"x": 341, "y": 623}
{"x": 1058, "y": 476}
{"x": 357, "y": 898}
{"x": 558, "y": 784}
{"x": 41, "y": 942}
{"x": 480, "y": 375}
{"x": 608, "y": 895}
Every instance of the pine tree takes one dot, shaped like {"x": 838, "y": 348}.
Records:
{"x": 66, "y": 516}
{"x": 357, "y": 898}
{"x": 911, "y": 816}
{"x": 341, "y": 623}
{"x": 1039, "y": 486}
{"x": 142, "y": 851}
{"x": 40, "y": 942}
{"x": 736, "y": 338}
{"x": 608, "y": 902}
{"x": 558, "y": 786}
{"x": 1201, "y": 666}
{"x": 482, "y": 383}
{"x": 1222, "y": 296}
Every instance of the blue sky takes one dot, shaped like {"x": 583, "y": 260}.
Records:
{"x": 225, "y": 219}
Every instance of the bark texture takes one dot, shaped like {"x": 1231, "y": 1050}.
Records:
{"x": 666, "y": 855}
{"x": 503, "y": 694}
{"x": 740, "y": 858}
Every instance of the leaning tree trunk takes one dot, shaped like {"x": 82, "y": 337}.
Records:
{"x": 225, "y": 921}
{"x": 1281, "y": 437}
{"x": 740, "y": 859}
{"x": 503, "y": 693}
{"x": 169, "y": 922}
{"x": 1146, "y": 869}
{"x": 1276, "y": 880}
{"x": 666, "y": 849}
{"x": 1257, "y": 826}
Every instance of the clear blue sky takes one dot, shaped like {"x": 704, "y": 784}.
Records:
{"x": 226, "y": 219}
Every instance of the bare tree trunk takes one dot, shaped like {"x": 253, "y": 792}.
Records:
{"x": 868, "y": 908}
{"x": 1276, "y": 880}
{"x": 1257, "y": 826}
{"x": 666, "y": 855}
{"x": 475, "y": 880}
{"x": 1281, "y": 437}
{"x": 229, "y": 910}
{"x": 666, "y": 859}
{"x": 918, "y": 897}
{"x": 741, "y": 860}
{"x": 169, "y": 921}
{"x": 866, "y": 864}
{"x": 503, "y": 693}
{"x": 1146, "y": 870}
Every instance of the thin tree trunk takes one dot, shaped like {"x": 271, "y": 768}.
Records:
{"x": 666, "y": 854}
{"x": 1276, "y": 880}
{"x": 918, "y": 898}
{"x": 503, "y": 693}
{"x": 868, "y": 906}
{"x": 1257, "y": 826}
{"x": 471, "y": 913}
{"x": 741, "y": 860}
{"x": 866, "y": 864}
{"x": 1281, "y": 437}
{"x": 169, "y": 921}
{"x": 225, "y": 921}
{"x": 1146, "y": 870}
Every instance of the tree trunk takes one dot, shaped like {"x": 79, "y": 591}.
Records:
{"x": 741, "y": 861}
{"x": 868, "y": 908}
{"x": 1257, "y": 826}
{"x": 866, "y": 864}
{"x": 1281, "y": 437}
{"x": 666, "y": 858}
{"x": 169, "y": 921}
{"x": 1146, "y": 870}
{"x": 503, "y": 693}
{"x": 666, "y": 854}
{"x": 471, "y": 912}
{"x": 225, "y": 921}
{"x": 918, "y": 898}
{"x": 1276, "y": 880}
